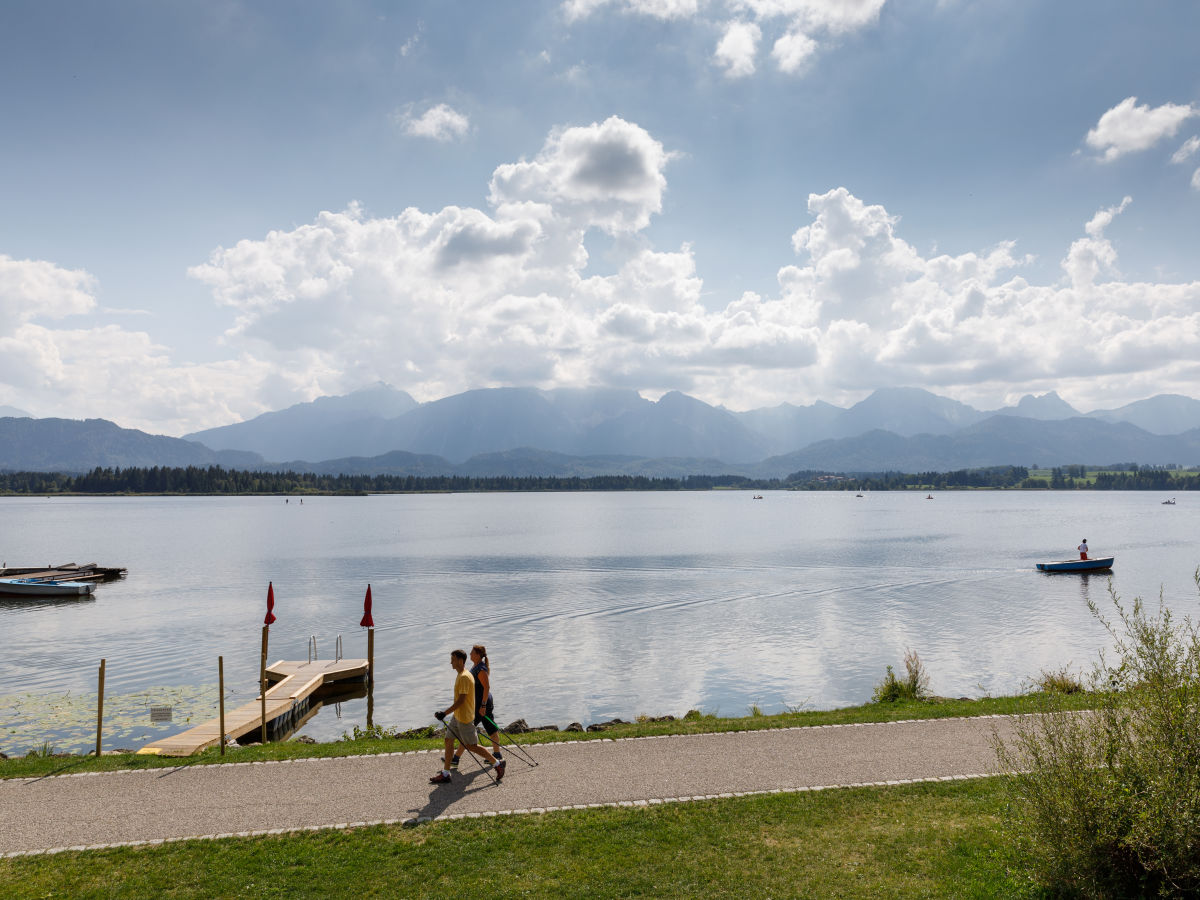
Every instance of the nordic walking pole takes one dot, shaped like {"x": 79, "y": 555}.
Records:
{"x": 528, "y": 760}
{"x": 478, "y": 761}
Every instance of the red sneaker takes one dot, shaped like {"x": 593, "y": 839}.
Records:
{"x": 499, "y": 770}
{"x": 440, "y": 778}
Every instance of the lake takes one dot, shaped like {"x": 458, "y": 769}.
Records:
{"x": 592, "y": 605}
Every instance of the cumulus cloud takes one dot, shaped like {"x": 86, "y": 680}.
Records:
{"x": 439, "y": 123}
{"x": 799, "y": 28}
{"x": 1129, "y": 128}
{"x": 1093, "y": 255}
{"x": 793, "y": 51}
{"x": 392, "y": 298}
{"x": 445, "y": 300}
{"x": 737, "y": 48}
{"x": 35, "y": 289}
{"x": 608, "y": 175}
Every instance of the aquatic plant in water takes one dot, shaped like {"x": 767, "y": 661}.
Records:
{"x": 67, "y": 721}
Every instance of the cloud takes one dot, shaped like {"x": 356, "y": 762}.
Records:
{"x": 575, "y": 10}
{"x": 439, "y": 123}
{"x": 408, "y": 46}
{"x": 1187, "y": 150}
{"x": 736, "y": 50}
{"x": 799, "y": 28}
{"x": 793, "y": 51}
{"x": 441, "y": 301}
{"x": 1129, "y": 128}
{"x": 35, "y": 289}
{"x": 608, "y": 175}
{"x": 1091, "y": 256}
{"x": 833, "y": 16}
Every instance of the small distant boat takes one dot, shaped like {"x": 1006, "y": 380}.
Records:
{"x": 859, "y": 496}
{"x": 1170, "y": 502}
{"x": 929, "y": 496}
{"x": 1078, "y": 565}
{"x": 38, "y": 588}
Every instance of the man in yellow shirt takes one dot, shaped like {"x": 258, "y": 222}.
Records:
{"x": 461, "y": 725}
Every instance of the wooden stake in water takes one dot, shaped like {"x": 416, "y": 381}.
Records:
{"x": 221, "y": 700}
{"x": 262, "y": 681}
{"x": 370, "y": 678}
{"x": 370, "y": 656}
{"x": 100, "y": 709}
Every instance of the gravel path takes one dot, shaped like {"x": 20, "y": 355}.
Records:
{"x": 148, "y": 806}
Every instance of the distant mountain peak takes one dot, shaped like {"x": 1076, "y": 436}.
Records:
{"x": 1046, "y": 406}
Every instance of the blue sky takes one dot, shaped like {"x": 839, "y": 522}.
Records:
{"x": 213, "y": 210}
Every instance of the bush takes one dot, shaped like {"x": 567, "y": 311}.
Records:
{"x": 914, "y": 686}
{"x": 1059, "y": 681}
{"x": 1107, "y": 802}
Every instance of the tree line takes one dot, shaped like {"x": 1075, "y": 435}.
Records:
{"x": 218, "y": 480}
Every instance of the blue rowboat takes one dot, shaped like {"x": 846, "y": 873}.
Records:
{"x": 38, "y": 588}
{"x": 1078, "y": 565}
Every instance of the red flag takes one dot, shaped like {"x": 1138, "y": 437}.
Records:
{"x": 367, "y": 621}
{"x": 270, "y": 617}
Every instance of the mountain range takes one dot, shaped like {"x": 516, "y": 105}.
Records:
{"x": 527, "y": 431}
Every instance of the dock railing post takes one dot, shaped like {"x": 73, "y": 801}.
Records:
{"x": 221, "y": 699}
{"x": 100, "y": 708}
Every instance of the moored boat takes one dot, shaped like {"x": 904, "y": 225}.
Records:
{"x": 40, "y": 588}
{"x": 1078, "y": 565}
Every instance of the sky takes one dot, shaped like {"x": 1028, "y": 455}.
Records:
{"x": 212, "y": 210}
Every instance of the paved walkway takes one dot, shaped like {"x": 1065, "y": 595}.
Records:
{"x": 154, "y": 805}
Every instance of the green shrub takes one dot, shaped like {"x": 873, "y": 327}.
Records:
{"x": 914, "y": 685}
{"x": 1059, "y": 681}
{"x": 1107, "y": 803}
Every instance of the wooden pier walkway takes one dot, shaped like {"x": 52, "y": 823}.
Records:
{"x": 289, "y": 697}
{"x": 64, "y": 572}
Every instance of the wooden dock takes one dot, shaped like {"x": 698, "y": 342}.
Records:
{"x": 64, "y": 572}
{"x": 290, "y": 701}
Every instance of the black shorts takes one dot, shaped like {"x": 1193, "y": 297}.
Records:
{"x": 488, "y": 721}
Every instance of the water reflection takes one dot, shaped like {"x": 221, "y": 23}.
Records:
{"x": 23, "y": 601}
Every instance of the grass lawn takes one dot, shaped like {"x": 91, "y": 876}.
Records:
{"x": 926, "y": 840}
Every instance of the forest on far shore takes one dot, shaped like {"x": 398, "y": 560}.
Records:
{"x": 217, "y": 480}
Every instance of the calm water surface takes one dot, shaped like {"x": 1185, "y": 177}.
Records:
{"x": 592, "y": 605}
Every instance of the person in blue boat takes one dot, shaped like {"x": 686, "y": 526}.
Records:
{"x": 1083, "y": 551}
{"x": 485, "y": 714}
